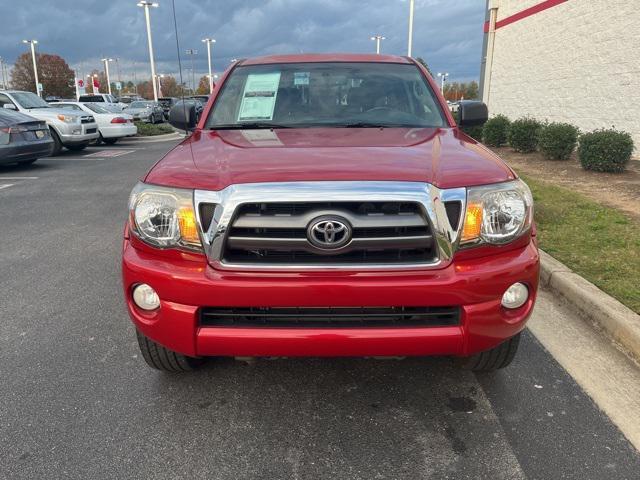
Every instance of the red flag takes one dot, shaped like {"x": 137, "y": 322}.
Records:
{"x": 96, "y": 83}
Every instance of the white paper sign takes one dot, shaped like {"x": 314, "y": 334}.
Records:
{"x": 259, "y": 97}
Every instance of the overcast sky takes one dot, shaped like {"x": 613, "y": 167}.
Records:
{"x": 447, "y": 33}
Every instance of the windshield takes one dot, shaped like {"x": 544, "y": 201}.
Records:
{"x": 96, "y": 108}
{"x": 29, "y": 100}
{"x": 140, "y": 105}
{"x": 326, "y": 94}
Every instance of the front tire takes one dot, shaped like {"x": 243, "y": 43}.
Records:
{"x": 166, "y": 360}
{"x": 494, "y": 359}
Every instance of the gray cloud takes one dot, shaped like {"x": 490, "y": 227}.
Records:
{"x": 447, "y": 33}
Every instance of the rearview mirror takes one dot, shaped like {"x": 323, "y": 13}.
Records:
{"x": 472, "y": 113}
{"x": 183, "y": 116}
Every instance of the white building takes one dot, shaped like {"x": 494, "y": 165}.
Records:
{"x": 575, "y": 61}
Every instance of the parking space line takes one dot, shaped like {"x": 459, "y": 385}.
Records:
{"x": 108, "y": 153}
{"x": 6, "y": 185}
{"x": 18, "y": 178}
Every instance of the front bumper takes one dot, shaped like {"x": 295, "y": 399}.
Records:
{"x": 74, "y": 134}
{"x": 475, "y": 285}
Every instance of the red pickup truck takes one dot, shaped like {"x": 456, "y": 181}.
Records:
{"x": 329, "y": 205}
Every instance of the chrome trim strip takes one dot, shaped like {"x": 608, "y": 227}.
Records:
{"x": 428, "y": 196}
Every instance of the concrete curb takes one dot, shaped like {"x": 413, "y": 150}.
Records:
{"x": 618, "y": 321}
{"x": 166, "y": 136}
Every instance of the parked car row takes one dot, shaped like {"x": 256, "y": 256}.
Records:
{"x": 31, "y": 128}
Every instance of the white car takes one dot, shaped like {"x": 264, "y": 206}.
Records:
{"x": 111, "y": 126}
{"x": 74, "y": 130}
{"x": 105, "y": 100}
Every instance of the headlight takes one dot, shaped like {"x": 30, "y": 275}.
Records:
{"x": 164, "y": 217}
{"x": 497, "y": 214}
{"x": 69, "y": 118}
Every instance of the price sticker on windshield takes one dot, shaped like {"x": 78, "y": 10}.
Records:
{"x": 259, "y": 97}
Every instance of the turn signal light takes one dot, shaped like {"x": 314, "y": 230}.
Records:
{"x": 472, "y": 222}
{"x": 188, "y": 225}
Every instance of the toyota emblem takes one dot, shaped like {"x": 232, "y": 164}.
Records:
{"x": 329, "y": 232}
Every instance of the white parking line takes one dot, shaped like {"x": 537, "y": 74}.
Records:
{"x": 6, "y": 185}
{"x": 18, "y": 178}
{"x": 108, "y": 153}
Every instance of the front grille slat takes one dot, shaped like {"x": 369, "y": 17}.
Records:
{"x": 329, "y": 317}
{"x": 385, "y": 233}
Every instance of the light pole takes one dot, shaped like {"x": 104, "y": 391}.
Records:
{"x": 410, "y": 43}
{"x": 33, "y": 44}
{"x": 192, "y": 52}
{"x": 4, "y": 81}
{"x": 93, "y": 85}
{"x": 106, "y": 71}
{"x": 209, "y": 41}
{"x": 146, "y": 4}
{"x": 443, "y": 78}
{"x": 378, "y": 39}
{"x": 158, "y": 79}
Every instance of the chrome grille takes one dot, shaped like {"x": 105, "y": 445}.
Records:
{"x": 394, "y": 225}
{"x": 386, "y": 233}
{"x": 87, "y": 119}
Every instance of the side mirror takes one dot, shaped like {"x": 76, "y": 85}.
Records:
{"x": 9, "y": 106}
{"x": 183, "y": 117}
{"x": 472, "y": 113}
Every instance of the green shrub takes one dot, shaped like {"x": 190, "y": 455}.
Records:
{"x": 150, "y": 129}
{"x": 474, "y": 132}
{"x": 523, "y": 134}
{"x": 605, "y": 150}
{"x": 557, "y": 140}
{"x": 494, "y": 132}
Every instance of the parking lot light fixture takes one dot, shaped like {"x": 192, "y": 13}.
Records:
{"x": 145, "y": 4}
{"x": 410, "y": 42}
{"x": 191, "y": 52}
{"x": 443, "y": 78}
{"x": 209, "y": 41}
{"x": 106, "y": 71}
{"x": 378, "y": 39}
{"x": 33, "y": 44}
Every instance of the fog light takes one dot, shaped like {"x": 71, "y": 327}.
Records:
{"x": 76, "y": 131}
{"x": 146, "y": 297}
{"x": 515, "y": 296}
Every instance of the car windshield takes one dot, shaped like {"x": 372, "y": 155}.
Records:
{"x": 29, "y": 100}
{"x": 96, "y": 108}
{"x": 140, "y": 105}
{"x": 326, "y": 94}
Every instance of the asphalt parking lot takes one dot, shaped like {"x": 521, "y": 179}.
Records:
{"x": 78, "y": 402}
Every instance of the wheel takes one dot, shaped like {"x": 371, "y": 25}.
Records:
{"x": 57, "y": 144}
{"x": 494, "y": 359}
{"x": 76, "y": 148}
{"x": 97, "y": 141}
{"x": 109, "y": 141}
{"x": 27, "y": 162}
{"x": 164, "y": 359}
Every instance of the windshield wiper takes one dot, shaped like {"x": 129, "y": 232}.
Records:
{"x": 371, "y": 125}
{"x": 249, "y": 126}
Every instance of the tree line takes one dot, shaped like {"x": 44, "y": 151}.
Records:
{"x": 57, "y": 79}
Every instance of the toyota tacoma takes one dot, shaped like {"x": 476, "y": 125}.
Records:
{"x": 329, "y": 205}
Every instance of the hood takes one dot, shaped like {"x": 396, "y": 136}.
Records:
{"x": 213, "y": 160}
{"x": 53, "y": 112}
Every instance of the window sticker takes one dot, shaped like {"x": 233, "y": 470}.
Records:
{"x": 301, "y": 78}
{"x": 259, "y": 97}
